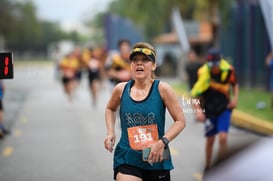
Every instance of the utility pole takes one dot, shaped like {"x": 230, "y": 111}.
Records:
{"x": 215, "y": 20}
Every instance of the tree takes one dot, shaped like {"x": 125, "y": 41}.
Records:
{"x": 153, "y": 16}
{"x": 23, "y": 31}
{"x": 6, "y": 15}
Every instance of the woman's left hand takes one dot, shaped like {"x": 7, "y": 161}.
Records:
{"x": 156, "y": 154}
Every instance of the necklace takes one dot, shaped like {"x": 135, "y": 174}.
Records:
{"x": 138, "y": 92}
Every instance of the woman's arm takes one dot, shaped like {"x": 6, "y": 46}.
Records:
{"x": 110, "y": 116}
{"x": 170, "y": 100}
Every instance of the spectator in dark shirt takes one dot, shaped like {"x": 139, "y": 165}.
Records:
{"x": 192, "y": 67}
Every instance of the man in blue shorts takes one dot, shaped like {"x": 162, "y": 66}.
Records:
{"x": 215, "y": 79}
{"x": 3, "y": 130}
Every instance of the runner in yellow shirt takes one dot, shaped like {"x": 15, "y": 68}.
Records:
{"x": 69, "y": 67}
{"x": 119, "y": 70}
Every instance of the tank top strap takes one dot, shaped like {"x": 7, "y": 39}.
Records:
{"x": 156, "y": 83}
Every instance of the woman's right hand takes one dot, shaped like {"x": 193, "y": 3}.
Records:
{"x": 109, "y": 142}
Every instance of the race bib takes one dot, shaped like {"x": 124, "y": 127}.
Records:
{"x": 142, "y": 136}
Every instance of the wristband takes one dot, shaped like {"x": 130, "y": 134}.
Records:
{"x": 165, "y": 141}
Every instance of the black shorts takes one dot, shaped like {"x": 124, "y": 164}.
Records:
{"x": 66, "y": 80}
{"x": 145, "y": 175}
{"x": 93, "y": 75}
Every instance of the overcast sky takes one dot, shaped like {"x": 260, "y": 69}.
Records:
{"x": 69, "y": 10}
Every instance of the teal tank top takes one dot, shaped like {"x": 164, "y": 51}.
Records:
{"x": 133, "y": 113}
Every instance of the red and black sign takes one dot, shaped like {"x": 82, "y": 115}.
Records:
{"x": 6, "y": 65}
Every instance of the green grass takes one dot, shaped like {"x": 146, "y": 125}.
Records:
{"x": 180, "y": 88}
{"x": 248, "y": 100}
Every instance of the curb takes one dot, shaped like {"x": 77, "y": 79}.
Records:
{"x": 244, "y": 120}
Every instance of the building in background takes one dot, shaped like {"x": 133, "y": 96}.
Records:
{"x": 117, "y": 28}
{"x": 169, "y": 53}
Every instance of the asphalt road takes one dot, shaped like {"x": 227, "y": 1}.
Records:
{"x": 55, "y": 140}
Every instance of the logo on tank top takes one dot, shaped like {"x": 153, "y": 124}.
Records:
{"x": 138, "y": 119}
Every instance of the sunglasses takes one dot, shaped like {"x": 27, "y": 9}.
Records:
{"x": 145, "y": 51}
